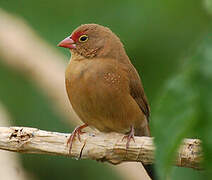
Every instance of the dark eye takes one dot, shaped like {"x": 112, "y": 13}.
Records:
{"x": 83, "y": 38}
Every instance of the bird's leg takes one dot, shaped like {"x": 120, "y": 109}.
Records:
{"x": 129, "y": 137}
{"x": 77, "y": 131}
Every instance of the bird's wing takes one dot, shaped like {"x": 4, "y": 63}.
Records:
{"x": 137, "y": 91}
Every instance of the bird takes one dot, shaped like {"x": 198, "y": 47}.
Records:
{"x": 103, "y": 86}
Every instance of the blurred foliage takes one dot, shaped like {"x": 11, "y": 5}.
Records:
{"x": 184, "y": 110}
{"x": 208, "y": 6}
{"x": 157, "y": 35}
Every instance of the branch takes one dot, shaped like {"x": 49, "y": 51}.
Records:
{"x": 101, "y": 147}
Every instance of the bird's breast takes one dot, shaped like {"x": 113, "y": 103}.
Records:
{"x": 99, "y": 94}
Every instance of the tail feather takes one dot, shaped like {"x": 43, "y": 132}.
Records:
{"x": 145, "y": 131}
{"x": 150, "y": 171}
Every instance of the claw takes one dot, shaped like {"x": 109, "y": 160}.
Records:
{"x": 77, "y": 131}
{"x": 129, "y": 137}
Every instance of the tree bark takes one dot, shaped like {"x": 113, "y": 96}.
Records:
{"x": 107, "y": 147}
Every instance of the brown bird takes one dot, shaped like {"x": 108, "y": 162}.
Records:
{"x": 103, "y": 86}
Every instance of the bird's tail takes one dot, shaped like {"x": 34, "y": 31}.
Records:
{"x": 150, "y": 171}
{"x": 145, "y": 131}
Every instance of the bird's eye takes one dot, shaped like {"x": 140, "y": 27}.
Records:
{"x": 83, "y": 38}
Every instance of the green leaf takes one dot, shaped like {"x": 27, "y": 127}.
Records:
{"x": 184, "y": 109}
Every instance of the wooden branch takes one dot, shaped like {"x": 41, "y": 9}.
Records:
{"x": 101, "y": 147}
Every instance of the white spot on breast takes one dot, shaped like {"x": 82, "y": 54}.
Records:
{"x": 112, "y": 79}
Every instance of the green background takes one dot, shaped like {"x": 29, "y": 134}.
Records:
{"x": 163, "y": 40}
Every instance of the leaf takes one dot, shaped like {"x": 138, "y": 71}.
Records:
{"x": 184, "y": 108}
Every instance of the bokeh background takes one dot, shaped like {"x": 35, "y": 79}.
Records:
{"x": 169, "y": 42}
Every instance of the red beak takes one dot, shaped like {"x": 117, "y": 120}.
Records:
{"x": 67, "y": 43}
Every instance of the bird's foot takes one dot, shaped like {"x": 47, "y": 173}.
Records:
{"x": 129, "y": 137}
{"x": 77, "y": 131}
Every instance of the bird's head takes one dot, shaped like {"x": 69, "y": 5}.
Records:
{"x": 93, "y": 40}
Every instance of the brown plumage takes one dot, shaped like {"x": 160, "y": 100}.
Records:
{"x": 103, "y": 86}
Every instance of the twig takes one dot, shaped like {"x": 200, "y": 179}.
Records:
{"x": 101, "y": 147}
